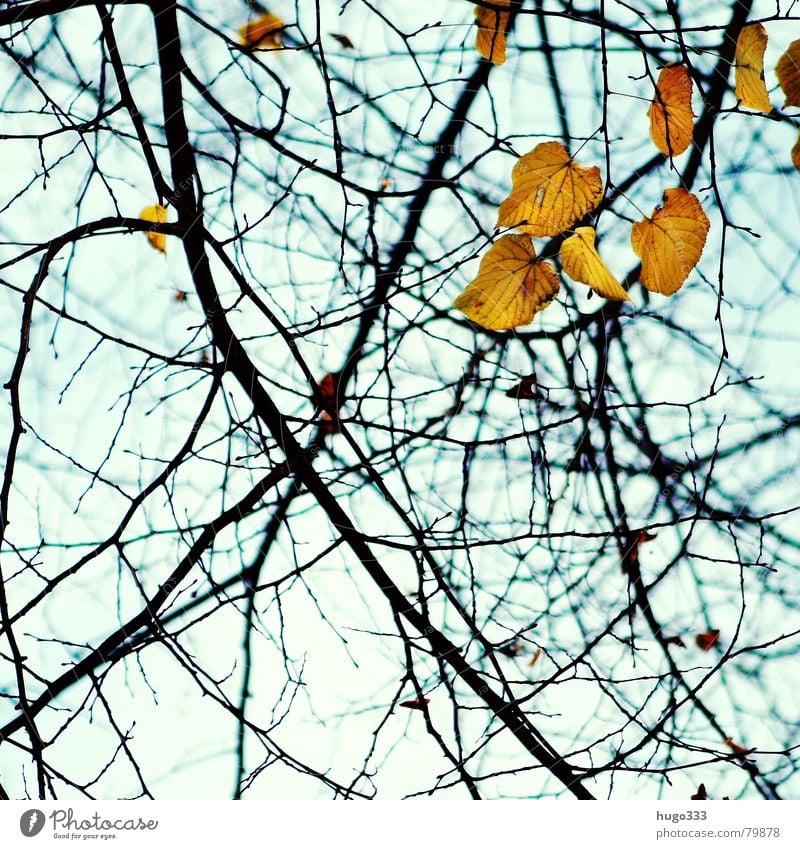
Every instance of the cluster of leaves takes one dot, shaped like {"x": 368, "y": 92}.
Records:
{"x": 552, "y": 193}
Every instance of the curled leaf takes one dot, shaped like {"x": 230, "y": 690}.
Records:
{"x": 751, "y": 90}
{"x": 708, "y": 640}
{"x": 158, "y": 215}
{"x": 415, "y": 704}
{"x": 796, "y": 154}
{"x": 511, "y": 287}
{"x": 526, "y": 388}
{"x": 582, "y": 263}
{"x": 701, "y": 794}
{"x": 329, "y": 390}
{"x": 550, "y": 192}
{"x": 262, "y": 32}
{"x": 670, "y": 113}
{"x": 788, "y": 73}
{"x": 492, "y": 25}
{"x": 671, "y": 241}
{"x": 535, "y": 659}
{"x": 344, "y": 40}
{"x": 735, "y": 747}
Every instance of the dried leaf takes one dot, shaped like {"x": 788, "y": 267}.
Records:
{"x": 708, "y": 640}
{"x": 158, "y": 215}
{"x": 675, "y": 641}
{"x": 735, "y": 747}
{"x": 492, "y": 25}
{"x": 264, "y": 32}
{"x": 788, "y": 73}
{"x": 535, "y": 659}
{"x": 511, "y": 286}
{"x": 701, "y": 793}
{"x": 582, "y": 263}
{"x": 671, "y": 241}
{"x": 550, "y": 192}
{"x": 329, "y": 390}
{"x": 796, "y": 154}
{"x": 630, "y": 554}
{"x": 511, "y": 649}
{"x": 526, "y": 389}
{"x": 670, "y": 113}
{"x": 415, "y": 704}
{"x": 750, "y": 86}
{"x": 344, "y": 40}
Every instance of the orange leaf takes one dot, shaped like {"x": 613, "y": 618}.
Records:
{"x": 511, "y": 286}
{"x": 788, "y": 73}
{"x": 670, "y": 113}
{"x": 492, "y": 24}
{"x": 735, "y": 747}
{"x": 550, "y": 192}
{"x": 415, "y": 704}
{"x": 708, "y": 640}
{"x": 581, "y": 261}
{"x": 158, "y": 215}
{"x": 535, "y": 659}
{"x": 796, "y": 153}
{"x": 671, "y": 241}
{"x": 750, "y": 86}
{"x": 263, "y": 32}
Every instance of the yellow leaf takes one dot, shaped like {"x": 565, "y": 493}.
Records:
{"x": 262, "y": 32}
{"x": 788, "y": 72}
{"x": 158, "y": 215}
{"x": 511, "y": 286}
{"x": 582, "y": 263}
{"x": 796, "y": 154}
{"x": 550, "y": 192}
{"x": 671, "y": 241}
{"x": 670, "y": 113}
{"x": 492, "y": 24}
{"x": 750, "y": 86}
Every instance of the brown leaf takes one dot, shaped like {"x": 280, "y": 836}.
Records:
{"x": 535, "y": 659}
{"x": 329, "y": 390}
{"x": 415, "y": 704}
{"x": 701, "y": 793}
{"x": 630, "y": 556}
{"x": 526, "y": 388}
{"x": 708, "y": 640}
{"x": 675, "y": 641}
{"x": 735, "y": 747}
{"x": 344, "y": 40}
